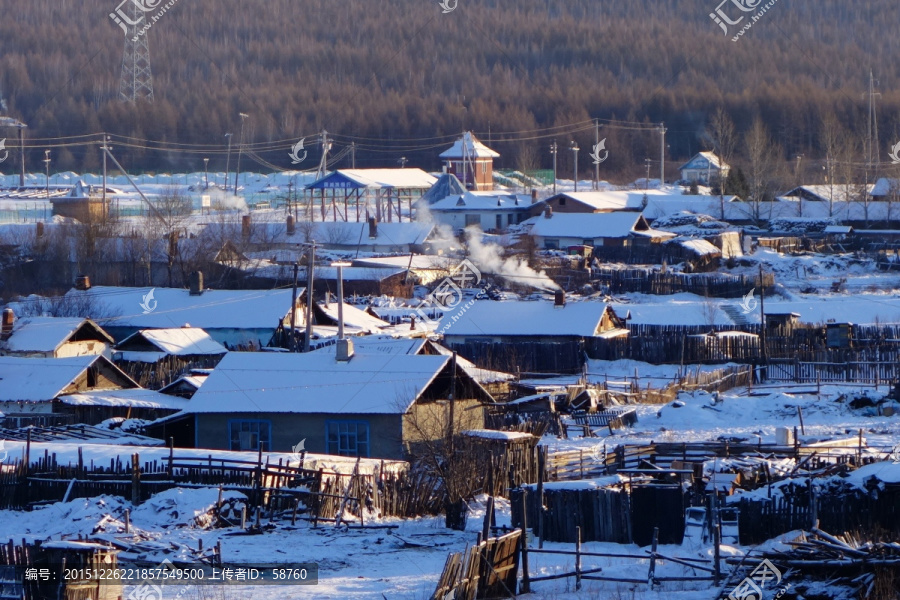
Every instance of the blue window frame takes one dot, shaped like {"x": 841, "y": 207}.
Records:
{"x": 248, "y": 434}
{"x": 347, "y": 438}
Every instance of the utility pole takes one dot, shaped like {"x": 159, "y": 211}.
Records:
{"x": 310, "y": 267}
{"x": 22, "y": 127}
{"x": 799, "y": 183}
{"x": 292, "y": 341}
{"x": 105, "y": 147}
{"x": 240, "y": 150}
{"x": 353, "y": 155}
{"x": 647, "y": 181}
{"x": 403, "y": 160}
{"x": 206, "y": 171}
{"x": 596, "y": 164}
{"x": 662, "y": 154}
{"x": 323, "y": 162}
{"x": 762, "y": 319}
{"x": 47, "y": 165}
{"x": 553, "y": 150}
{"x": 872, "y": 158}
{"x": 227, "y": 161}
{"x": 340, "y": 285}
{"x": 574, "y": 148}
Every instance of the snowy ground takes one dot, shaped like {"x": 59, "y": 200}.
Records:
{"x": 405, "y": 563}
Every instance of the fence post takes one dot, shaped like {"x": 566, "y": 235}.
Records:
{"x": 523, "y": 540}
{"x": 135, "y": 479}
{"x": 578, "y": 558}
{"x": 717, "y": 533}
{"x": 651, "y": 575}
{"x": 539, "y": 526}
{"x": 171, "y": 451}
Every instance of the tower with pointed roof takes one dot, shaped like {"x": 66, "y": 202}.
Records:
{"x": 471, "y": 161}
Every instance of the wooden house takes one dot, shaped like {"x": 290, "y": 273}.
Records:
{"x": 52, "y": 337}
{"x": 82, "y": 389}
{"x": 704, "y": 168}
{"x": 346, "y": 403}
{"x": 617, "y": 230}
{"x": 230, "y": 317}
{"x": 489, "y": 211}
{"x": 156, "y": 357}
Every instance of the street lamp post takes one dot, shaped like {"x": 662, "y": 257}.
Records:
{"x": 574, "y": 148}
{"x": 553, "y": 150}
{"x": 227, "y": 161}
{"x": 240, "y": 151}
{"x": 47, "y": 165}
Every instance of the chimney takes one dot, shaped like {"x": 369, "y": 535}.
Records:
{"x": 344, "y": 350}
{"x": 559, "y": 299}
{"x": 9, "y": 319}
{"x": 245, "y": 226}
{"x": 373, "y": 228}
{"x": 548, "y": 212}
{"x": 533, "y": 195}
{"x": 82, "y": 282}
{"x": 412, "y": 323}
{"x": 290, "y": 225}
{"x": 196, "y": 283}
{"x": 39, "y": 229}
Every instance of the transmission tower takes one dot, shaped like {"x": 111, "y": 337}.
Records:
{"x": 137, "y": 79}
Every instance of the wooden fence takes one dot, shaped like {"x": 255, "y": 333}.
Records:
{"x": 489, "y": 569}
{"x": 656, "y": 282}
{"x": 602, "y": 514}
{"x": 157, "y": 375}
{"x": 838, "y": 513}
{"x": 319, "y": 495}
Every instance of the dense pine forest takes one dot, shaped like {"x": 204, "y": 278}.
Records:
{"x": 401, "y": 78}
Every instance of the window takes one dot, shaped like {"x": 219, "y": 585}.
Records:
{"x": 587, "y": 242}
{"x": 250, "y": 434}
{"x": 499, "y": 221}
{"x": 483, "y": 167}
{"x": 473, "y": 220}
{"x": 347, "y": 438}
{"x": 551, "y": 244}
{"x": 562, "y": 200}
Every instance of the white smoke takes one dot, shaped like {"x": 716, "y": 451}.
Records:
{"x": 490, "y": 260}
{"x": 227, "y": 201}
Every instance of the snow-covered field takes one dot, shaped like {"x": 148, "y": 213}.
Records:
{"x": 404, "y": 562}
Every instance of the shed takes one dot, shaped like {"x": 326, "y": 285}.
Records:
{"x": 471, "y": 162}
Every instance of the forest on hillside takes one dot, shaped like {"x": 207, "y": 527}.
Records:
{"x": 402, "y": 78}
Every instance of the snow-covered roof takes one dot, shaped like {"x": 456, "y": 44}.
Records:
{"x": 586, "y": 225}
{"x": 483, "y": 200}
{"x": 490, "y": 318}
{"x": 703, "y": 159}
{"x": 135, "y": 398}
{"x": 214, "y": 309}
{"x": 468, "y": 146}
{"x": 699, "y": 247}
{"x": 353, "y": 317}
{"x": 382, "y": 344}
{"x": 315, "y": 382}
{"x": 39, "y": 379}
{"x": 492, "y": 434}
{"x": 375, "y": 178}
{"x": 46, "y": 334}
{"x": 177, "y": 341}
{"x": 337, "y": 233}
{"x": 839, "y": 229}
{"x": 447, "y": 185}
